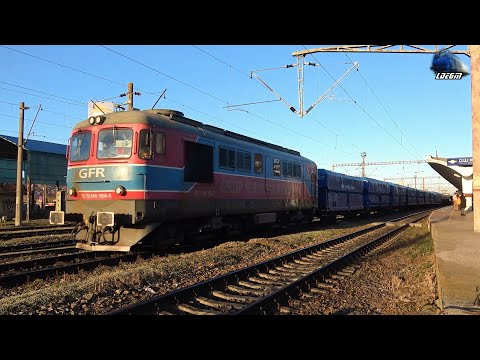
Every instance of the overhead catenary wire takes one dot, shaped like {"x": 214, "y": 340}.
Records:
{"x": 72, "y": 68}
{"x": 42, "y": 97}
{"x": 162, "y": 73}
{"x": 33, "y": 134}
{"x": 384, "y": 108}
{"x": 363, "y": 110}
{"x": 138, "y": 62}
{"x": 227, "y": 122}
{"x": 116, "y": 82}
{"x": 41, "y": 122}
{"x": 223, "y": 101}
{"x": 249, "y": 76}
{"x": 41, "y": 92}
{"x": 224, "y": 62}
{"x": 216, "y": 58}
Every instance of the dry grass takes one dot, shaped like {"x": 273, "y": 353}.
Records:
{"x": 399, "y": 279}
{"x": 108, "y": 287}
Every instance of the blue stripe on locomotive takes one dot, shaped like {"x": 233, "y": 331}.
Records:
{"x": 128, "y": 175}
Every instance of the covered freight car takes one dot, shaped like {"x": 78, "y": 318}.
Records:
{"x": 339, "y": 194}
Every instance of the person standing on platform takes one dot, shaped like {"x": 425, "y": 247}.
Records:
{"x": 463, "y": 204}
{"x": 454, "y": 201}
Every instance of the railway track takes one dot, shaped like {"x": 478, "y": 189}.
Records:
{"x": 17, "y": 272}
{"x": 266, "y": 287}
{"x": 21, "y": 233}
{"x": 34, "y": 247}
{"x": 4, "y": 228}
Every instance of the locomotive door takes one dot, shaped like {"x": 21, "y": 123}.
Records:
{"x": 310, "y": 177}
{"x": 198, "y": 163}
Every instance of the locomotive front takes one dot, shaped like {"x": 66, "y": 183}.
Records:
{"x": 106, "y": 179}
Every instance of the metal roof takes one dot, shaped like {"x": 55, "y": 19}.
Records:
{"x": 40, "y": 146}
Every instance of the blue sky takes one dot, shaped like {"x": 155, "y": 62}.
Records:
{"x": 414, "y": 115}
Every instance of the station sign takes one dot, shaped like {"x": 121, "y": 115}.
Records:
{"x": 465, "y": 161}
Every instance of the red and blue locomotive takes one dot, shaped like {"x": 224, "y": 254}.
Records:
{"x": 137, "y": 172}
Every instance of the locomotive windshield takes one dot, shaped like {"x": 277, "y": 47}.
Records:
{"x": 114, "y": 143}
{"x": 80, "y": 148}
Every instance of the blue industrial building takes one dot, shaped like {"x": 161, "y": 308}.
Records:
{"x": 43, "y": 162}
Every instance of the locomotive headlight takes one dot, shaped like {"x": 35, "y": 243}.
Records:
{"x": 120, "y": 190}
{"x": 91, "y": 120}
{"x": 99, "y": 119}
{"x": 72, "y": 192}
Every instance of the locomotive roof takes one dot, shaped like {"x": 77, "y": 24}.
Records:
{"x": 153, "y": 116}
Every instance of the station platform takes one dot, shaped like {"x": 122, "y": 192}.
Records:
{"x": 457, "y": 252}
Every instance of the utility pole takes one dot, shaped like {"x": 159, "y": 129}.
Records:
{"x": 18, "y": 196}
{"x": 130, "y": 96}
{"x": 364, "y": 154}
{"x": 415, "y": 177}
{"x": 474, "y": 51}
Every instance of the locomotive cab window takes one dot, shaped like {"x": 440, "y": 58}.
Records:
{"x": 80, "y": 146}
{"x": 258, "y": 163}
{"x": 145, "y": 145}
{"x": 114, "y": 143}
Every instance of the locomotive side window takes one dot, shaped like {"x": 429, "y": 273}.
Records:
{"x": 145, "y": 147}
{"x": 244, "y": 161}
{"x": 258, "y": 164}
{"x": 80, "y": 148}
{"x": 114, "y": 143}
{"x": 198, "y": 163}
{"x": 290, "y": 169}
{"x": 287, "y": 168}
{"x": 297, "y": 170}
{"x": 284, "y": 168}
{"x": 226, "y": 158}
{"x": 276, "y": 167}
{"x": 160, "y": 143}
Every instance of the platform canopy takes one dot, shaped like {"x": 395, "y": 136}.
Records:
{"x": 457, "y": 171}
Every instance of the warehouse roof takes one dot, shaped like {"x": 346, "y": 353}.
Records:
{"x": 36, "y": 145}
